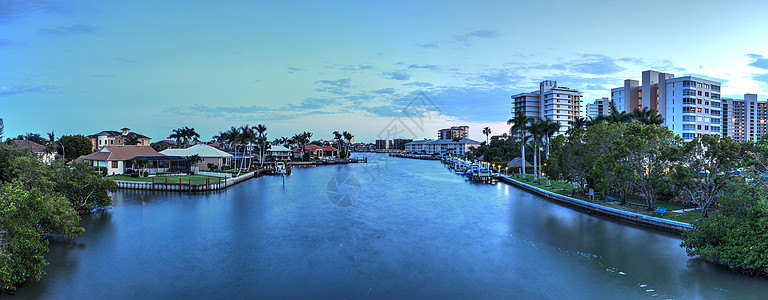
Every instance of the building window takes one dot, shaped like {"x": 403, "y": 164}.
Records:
{"x": 699, "y": 93}
{"x": 114, "y": 165}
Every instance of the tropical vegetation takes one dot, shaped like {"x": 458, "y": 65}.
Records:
{"x": 38, "y": 201}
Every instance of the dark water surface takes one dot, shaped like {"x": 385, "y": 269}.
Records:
{"x": 413, "y": 231}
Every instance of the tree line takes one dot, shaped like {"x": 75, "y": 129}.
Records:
{"x": 38, "y": 201}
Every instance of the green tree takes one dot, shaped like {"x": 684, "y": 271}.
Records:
{"x": 262, "y": 141}
{"x": 653, "y": 152}
{"x": 142, "y": 163}
{"x": 617, "y": 116}
{"x": 487, "y": 132}
{"x": 177, "y": 135}
{"x": 131, "y": 139}
{"x": 25, "y": 216}
{"x": 736, "y": 236}
{"x": 348, "y": 137}
{"x": 706, "y": 169}
{"x": 83, "y": 187}
{"x": 576, "y": 125}
{"x": 74, "y": 146}
{"x": 646, "y": 116}
{"x": 537, "y": 128}
{"x": 194, "y": 159}
{"x": 35, "y": 137}
{"x": 610, "y": 170}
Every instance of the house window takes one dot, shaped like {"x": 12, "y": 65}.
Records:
{"x": 114, "y": 165}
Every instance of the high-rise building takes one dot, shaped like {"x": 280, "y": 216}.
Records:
{"x": 453, "y": 132}
{"x": 383, "y": 144}
{"x": 561, "y": 104}
{"x": 745, "y": 119}
{"x": 601, "y": 107}
{"x": 690, "y": 105}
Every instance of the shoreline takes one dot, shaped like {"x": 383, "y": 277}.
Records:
{"x": 609, "y": 212}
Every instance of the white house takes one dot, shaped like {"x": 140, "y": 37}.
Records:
{"x": 207, "y": 153}
{"x": 279, "y": 153}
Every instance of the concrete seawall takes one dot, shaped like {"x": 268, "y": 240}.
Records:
{"x": 189, "y": 187}
{"x": 592, "y": 208}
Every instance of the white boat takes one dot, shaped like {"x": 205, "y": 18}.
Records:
{"x": 280, "y": 168}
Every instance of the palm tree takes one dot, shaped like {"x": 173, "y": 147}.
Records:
{"x": 348, "y": 136}
{"x": 194, "y": 159}
{"x": 616, "y": 116}
{"x": 538, "y": 131}
{"x": 51, "y": 143}
{"x": 647, "y": 116}
{"x": 576, "y": 124}
{"x": 131, "y": 139}
{"x": 177, "y": 135}
{"x": 302, "y": 139}
{"x": 519, "y": 124}
{"x": 338, "y": 137}
{"x": 262, "y": 141}
{"x": 550, "y": 128}
{"x": 247, "y": 137}
{"x": 487, "y": 132}
{"x": 190, "y": 134}
{"x": 142, "y": 163}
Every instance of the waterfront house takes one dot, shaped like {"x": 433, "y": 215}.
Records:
{"x": 279, "y": 153}
{"x": 119, "y": 159}
{"x": 37, "y": 149}
{"x": 207, "y": 153}
{"x": 315, "y": 151}
{"x": 115, "y": 138}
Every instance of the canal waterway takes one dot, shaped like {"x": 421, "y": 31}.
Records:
{"x": 393, "y": 228}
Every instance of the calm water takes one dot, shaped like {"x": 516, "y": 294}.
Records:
{"x": 394, "y": 228}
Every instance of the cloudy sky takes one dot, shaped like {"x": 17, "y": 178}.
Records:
{"x": 85, "y": 66}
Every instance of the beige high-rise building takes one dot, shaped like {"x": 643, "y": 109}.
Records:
{"x": 690, "y": 105}
{"x": 745, "y": 119}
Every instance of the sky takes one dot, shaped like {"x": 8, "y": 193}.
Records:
{"x": 376, "y": 69}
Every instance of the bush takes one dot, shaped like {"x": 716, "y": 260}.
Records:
{"x": 146, "y": 173}
{"x": 129, "y": 171}
{"x": 134, "y": 175}
{"x": 212, "y": 167}
{"x": 224, "y": 168}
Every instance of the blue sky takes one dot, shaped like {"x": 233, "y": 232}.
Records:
{"x": 85, "y": 66}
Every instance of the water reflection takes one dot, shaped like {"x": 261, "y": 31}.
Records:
{"x": 416, "y": 231}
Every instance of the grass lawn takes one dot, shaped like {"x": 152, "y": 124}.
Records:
{"x": 565, "y": 189}
{"x": 184, "y": 178}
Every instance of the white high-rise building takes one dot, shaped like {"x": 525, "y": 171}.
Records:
{"x": 601, "y": 107}
{"x": 690, "y": 105}
{"x": 561, "y": 104}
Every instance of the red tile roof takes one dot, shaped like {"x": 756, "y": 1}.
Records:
{"x": 316, "y": 147}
